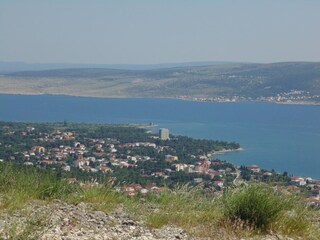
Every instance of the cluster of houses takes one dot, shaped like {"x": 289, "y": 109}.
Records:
{"x": 296, "y": 184}
{"x": 94, "y": 155}
{"x": 106, "y": 155}
{"x": 286, "y": 97}
{"x": 313, "y": 185}
{"x": 204, "y": 166}
{"x": 135, "y": 189}
{"x": 79, "y": 155}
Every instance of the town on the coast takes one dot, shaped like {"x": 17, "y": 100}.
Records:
{"x": 137, "y": 161}
{"x": 293, "y": 96}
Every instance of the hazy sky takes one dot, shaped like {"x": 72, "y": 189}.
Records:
{"x": 158, "y": 31}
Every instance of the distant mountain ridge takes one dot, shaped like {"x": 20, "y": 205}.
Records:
{"x": 10, "y": 67}
{"x": 240, "y": 80}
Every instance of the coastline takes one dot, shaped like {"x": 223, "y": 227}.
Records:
{"x": 102, "y": 113}
{"x": 146, "y": 125}
{"x": 311, "y": 103}
{"x": 224, "y": 151}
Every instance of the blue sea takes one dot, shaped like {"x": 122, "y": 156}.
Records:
{"x": 274, "y": 136}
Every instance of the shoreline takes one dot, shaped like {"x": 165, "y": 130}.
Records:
{"x": 253, "y": 101}
{"x": 147, "y": 125}
{"x": 174, "y": 98}
{"x": 224, "y": 151}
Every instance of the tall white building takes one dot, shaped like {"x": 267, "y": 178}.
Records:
{"x": 164, "y": 134}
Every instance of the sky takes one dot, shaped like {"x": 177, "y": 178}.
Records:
{"x": 159, "y": 31}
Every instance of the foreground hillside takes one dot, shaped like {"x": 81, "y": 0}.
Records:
{"x": 284, "y": 82}
{"x": 59, "y": 220}
{"x": 35, "y": 204}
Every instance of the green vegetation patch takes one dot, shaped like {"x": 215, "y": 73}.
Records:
{"x": 20, "y": 184}
{"x": 262, "y": 209}
{"x": 258, "y": 208}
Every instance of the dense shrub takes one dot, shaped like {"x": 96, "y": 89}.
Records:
{"x": 256, "y": 206}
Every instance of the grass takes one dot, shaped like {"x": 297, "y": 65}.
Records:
{"x": 248, "y": 211}
{"x": 256, "y": 206}
{"x": 103, "y": 198}
{"x": 20, "y": 184}
{"x": 32, "y": 228}
{"x": 261, "y": 209}
{"x": 185, "y": 207}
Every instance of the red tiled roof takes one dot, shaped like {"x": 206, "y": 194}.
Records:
{"x": 253, "y": 166}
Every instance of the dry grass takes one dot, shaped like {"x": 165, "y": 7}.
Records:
{"x": 250, "y": 211}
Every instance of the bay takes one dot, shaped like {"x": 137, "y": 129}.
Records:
{"x": 274, "y": 136}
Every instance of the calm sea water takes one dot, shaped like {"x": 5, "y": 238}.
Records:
{"x": 280, "y": 137}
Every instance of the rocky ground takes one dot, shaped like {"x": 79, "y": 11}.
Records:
{"x": 62, "y": 221}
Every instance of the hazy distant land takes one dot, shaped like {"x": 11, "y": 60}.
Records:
{"x": 291, "y": 82}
